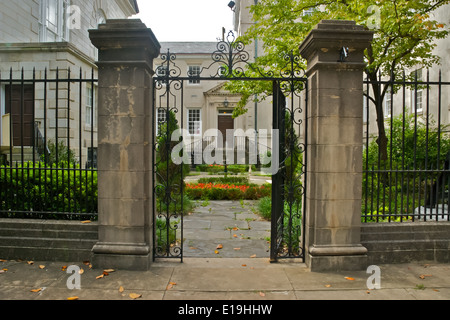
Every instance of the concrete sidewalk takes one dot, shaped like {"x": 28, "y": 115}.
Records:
{"x": 239, "y": 271}
{"x": 222, "y": 279}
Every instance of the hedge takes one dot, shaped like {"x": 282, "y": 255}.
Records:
{"x": 35, "y": 187}
{"x": 210, "y": 191}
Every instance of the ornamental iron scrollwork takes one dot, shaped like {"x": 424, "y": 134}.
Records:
{"x": 231, "y": 62}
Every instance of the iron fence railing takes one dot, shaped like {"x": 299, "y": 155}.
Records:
{"x": 406, "y": 171}
{"x": 49, "y": 140}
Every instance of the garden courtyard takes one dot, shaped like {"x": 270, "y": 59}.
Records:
{"x": 226, "y": 228}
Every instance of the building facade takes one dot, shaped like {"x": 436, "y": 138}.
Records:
{"x": 204, "y": 107}
{"x": 49, "y": 39}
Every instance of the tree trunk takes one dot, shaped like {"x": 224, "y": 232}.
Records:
{"x": 382, "y": 140}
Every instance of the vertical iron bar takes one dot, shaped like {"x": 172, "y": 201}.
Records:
{"x": 366, "y": 169}
{"x": 153, "y": 121}
{"x": 275, "y": 180}
{"x": 69, "y": 189}
{"x": 305, "y": 173}
{"x": 182, "y": 176}
{"x": 80, "y": 137}
{"x": 403, "y": 143}
{"x": 57, "y": 138}
{"x": 46, "y": 200}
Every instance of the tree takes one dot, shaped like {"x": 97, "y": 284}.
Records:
{"x": 404, "y": 38}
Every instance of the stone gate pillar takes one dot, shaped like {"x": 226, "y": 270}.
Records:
{"x": 125, "y": 68}
{"x": 335, "y": 54}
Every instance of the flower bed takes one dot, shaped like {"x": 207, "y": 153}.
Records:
{"x": 221, "y": 191}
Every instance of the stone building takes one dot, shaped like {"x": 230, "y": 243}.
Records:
{"x": 51, "y": 35}
{"x": 205, "y": 105}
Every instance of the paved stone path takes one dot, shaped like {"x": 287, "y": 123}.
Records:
{"x": 232, "y": 224}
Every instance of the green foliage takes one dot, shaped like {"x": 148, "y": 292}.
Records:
{"x": 59, "y": 154}
{"x": 210, "y": 191}
{"x": 404, "y": 34}
{"x": 400, "y": 184}
{"x": 411, "y": 144}
{"x": 169, "y": 174}
{"x": 219, "y": 168}
{"x": 35, "y": 187}
{"x": 225, "y": 180}
{"x": 265, "y": 207}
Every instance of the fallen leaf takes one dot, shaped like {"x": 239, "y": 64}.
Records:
{"x": 193, "y": 248}
{"x": 86, "y": 263}
{"x": 350, "y": 278}
{"x": 436, "y": 290}
{"x": 63, "y": 268}
{"x": 235, "y": 229}
{"x": 219, "y": 247}
{"x": 36, "y": 290}
{"x": 253, "y": 256}
{"x": 235, "y": 235}
{"x": 262, "y": 294}
{"x": 328, "y": 286}
{"x": 81, "y": 271}
{"x": 422, "y": 276}
{"x": 108, "y": 270}
{"x": 41, "y": 266}
{"x": 4, "y": 269}
{"x": 72, "y": 298}
{"x": 100, "y": 276}
{"x": 170, "y": 285}
{"x": 237, "y": 248}
{"x": 86, "y": 221}
{"x": 135, "y": 295}
{"x": 216, "y": 252}
{"x": 3, "y": 260}
{"x": 244, "y": 265}
{"x": 105, "y": 273}
{"x": 121, "y": 289}
{"x": 30, "y": 262}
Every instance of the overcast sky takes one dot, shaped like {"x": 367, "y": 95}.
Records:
{"x": 186, "y": 20}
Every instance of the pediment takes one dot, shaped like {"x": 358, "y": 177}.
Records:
{"x": 219, "y": 90}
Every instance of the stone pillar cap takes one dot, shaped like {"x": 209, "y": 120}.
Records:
{"x": 335, "y": 34}
{"x": 117, "y": 34}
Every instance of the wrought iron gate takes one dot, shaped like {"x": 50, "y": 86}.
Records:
{"x": 230, "y": 63}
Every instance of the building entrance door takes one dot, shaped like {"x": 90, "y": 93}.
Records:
{"x": 225, "y": 122}
{"x": 19, "y": 101}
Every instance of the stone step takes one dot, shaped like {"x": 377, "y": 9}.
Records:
{"x": 49, "y": 243}
{"x": 57, "y": 225}
{"x": 46, "y": 240}
{"x": 407, "y": 236}
{"x": 52, "y": 234}
{"x": 45, "y": 254}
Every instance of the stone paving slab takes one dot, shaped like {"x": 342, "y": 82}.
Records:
{"x": 232, "y": 224}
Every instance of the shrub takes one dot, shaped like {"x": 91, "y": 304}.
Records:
{"x": 219, "y": 191}
{"x": 265, "y": 207}
{"x": 35, "y": 187}
{"x": 225, "y": 180}
{"x": 395, "y": 187}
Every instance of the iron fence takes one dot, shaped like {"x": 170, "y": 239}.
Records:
{"x": 48, "y": 145}
{"x": 406, "y": 166}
